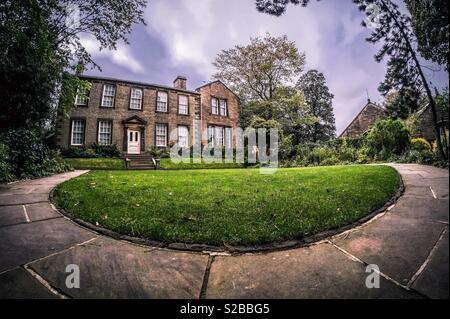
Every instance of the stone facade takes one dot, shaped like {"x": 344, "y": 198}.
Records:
{"x": 123, "y": 118}
{"x": 425, "y": 124}
{"x": 220, "y": 91}
{"x": 364, "y": 121}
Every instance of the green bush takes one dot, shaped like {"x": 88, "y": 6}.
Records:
{"x": 96, "y": 151}
{"x": 28, "y": 156}
{"x": 420, "y": 145}
{"x": 5, "y": 168}
{"x": 324, "y": 154}
{"x": 79, "y": 152}
{"x": 388, "y": 137}
{"x": 109, "y": 151}
{"x": 347, "y": 152}
{"x": 158, "y": 152}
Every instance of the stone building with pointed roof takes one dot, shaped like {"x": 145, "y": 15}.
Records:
{"x": 365, "y": 120}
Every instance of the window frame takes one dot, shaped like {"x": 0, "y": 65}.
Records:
{"x": 219, "y": 110}
{"x": 72, "y": 122}
{"x": 212, "y": 106}
{"x": 213, "y": 142}
{"x": 110, "y": 133}
{"x": 166, "y": 126}
{"x": 167, "y": 101}
{"x": 111, "y": 96}
{"x": 87, "y": 93}
{"x": 141, "y": 104}
{"x": 187, "y": 104}
{"x": 187, "y": 136}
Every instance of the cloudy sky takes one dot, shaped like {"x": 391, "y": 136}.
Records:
{"x": 182, "y": 37}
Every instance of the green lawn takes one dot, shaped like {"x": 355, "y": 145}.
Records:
{"x": 168, "y": 164}
{"x": 96, "y": 163}
{"x": 230, "y": 206}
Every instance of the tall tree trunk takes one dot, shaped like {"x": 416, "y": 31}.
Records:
{"x": 424, "y": 80}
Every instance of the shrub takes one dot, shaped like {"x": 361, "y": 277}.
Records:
{"x": 324, "y": 154}
{"x": 330, "y": 161}
{"x": 79, "y": 152}
{"x": 96, "y": 151}
{"x": 29, "y": 157}
{"x": 420, "y": 145}
{"x": 109, "y": 151}
{"x": 388, "y": 137}
{"x": 5, "y": 168}
{"x": 159, "y": 152}
{"x": 347, "y": 152}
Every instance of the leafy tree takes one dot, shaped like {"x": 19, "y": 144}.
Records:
{"x": 402, "y": 104}
{"x": 320, "y": 105}
{"x": 394, "y": 30}
{"x": 429, "y": 19}
{"x": 277, "y": 7}
{"x": 257, "y": 70}
{"x": 388, "y": 137}
{"x": 40, "y": 45}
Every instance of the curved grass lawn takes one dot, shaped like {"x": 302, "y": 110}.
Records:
{"x": 230, "y": 206}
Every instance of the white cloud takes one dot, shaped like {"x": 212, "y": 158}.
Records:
{"x": 122, "y": 56}
{"x": 198, "y": 30}
{"x": 329, "y": 33}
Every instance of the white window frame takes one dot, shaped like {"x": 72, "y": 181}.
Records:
{"x": 79, "y": 100}
{"x": 185, "y": 106}
{"x": 185, "y": 141}
{"x": 110, "y": 94}
{"x": 158, "y": 101}
{"x": 228, "y": 137}
{"x": 158, "y": 134}
{"x": 214, "y": 106}
{"x": 211, "y": 136}
{"x": 219, "y": 136}
{"x": 102, "y": 132}
{"x": 73, "y": 132}
{"x": 223, "y": 107}
{"x": 134, "y": 98}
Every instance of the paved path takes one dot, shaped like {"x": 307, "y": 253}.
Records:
{"x": 409, "y": 243}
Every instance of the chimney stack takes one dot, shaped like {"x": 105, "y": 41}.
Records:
{"x": 180, "y": 83}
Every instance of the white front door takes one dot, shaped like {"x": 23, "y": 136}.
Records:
{"x": 134, "y": 142}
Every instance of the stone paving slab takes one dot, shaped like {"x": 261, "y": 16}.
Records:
{"x": 26, "y": 189}
{"x": 434, "y": 280}
{"x": 427, "y": 208}
{"x": 319, "y": 271}
{"x": 398, "y": 245}
{"x": 19, "y": 284}
{"x": 23, "y": 243}
{"x": 23, "y": 199}
{"x": 41, "y": 211}
{"x": 115, "y": 269}
{"x": 11, "y": 215}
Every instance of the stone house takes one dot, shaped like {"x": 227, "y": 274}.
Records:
{"x": 136, "y": 116}
{"x": 424, "y": 124}
{"x": 365, "y": 120}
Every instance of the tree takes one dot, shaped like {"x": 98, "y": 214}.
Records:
{"x": 402, "y": 104}
{"x": 40, "y": 49}
{"x": 277, "y": 7}
{"x": 320, "y": 105}
{"x": 429, "y": 19}
{"x": 388, "y": 137}
{"x": 256, "y": 70}
{"x": 394, "y": 30}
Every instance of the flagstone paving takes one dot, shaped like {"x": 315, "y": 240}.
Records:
{"x": 408, "y": 243}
